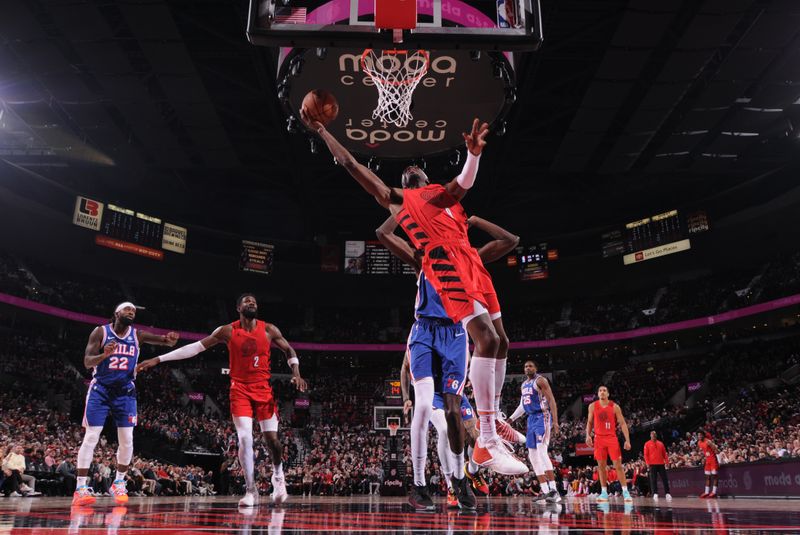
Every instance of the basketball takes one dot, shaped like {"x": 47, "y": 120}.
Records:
{"x": 321, "y": 105}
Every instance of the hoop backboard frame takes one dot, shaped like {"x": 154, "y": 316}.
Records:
{"x": 526, "y": 35}
{"x": 380, "y": 423}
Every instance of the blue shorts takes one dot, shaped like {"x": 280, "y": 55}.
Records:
{"x": 538, "y": 430}
{"x": 439, "y": 350}
{"x": 466, "y": 407}
{"x": 102, "y": 399}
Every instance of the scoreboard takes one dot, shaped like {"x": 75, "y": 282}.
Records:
{"x": 393, "y": 393}
{"x": 372, "y": 258}
{"x": 127, "y": 230}
{"x": 652, "y": 237}
{"x": 532, "y": 261}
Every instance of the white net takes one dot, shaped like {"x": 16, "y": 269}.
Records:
{"x": 396, "y": 73}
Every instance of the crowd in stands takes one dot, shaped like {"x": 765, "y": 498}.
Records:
{"x": 202, "y": 311}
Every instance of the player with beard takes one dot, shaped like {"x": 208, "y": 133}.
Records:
{"x": 248, "y": 340}
{"x": 112, "y": 352}
{"x": 435, "y": 221}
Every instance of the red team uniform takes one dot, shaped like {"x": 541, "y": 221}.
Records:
{"x": 436, "y": 223}
{"x": 606, "y": 443}
{"x": 711, "y": 465}
{"x": 251, "y": 393}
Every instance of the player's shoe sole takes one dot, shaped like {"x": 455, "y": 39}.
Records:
{"x": 497, "y": 458}
{"x": 82, "y": 501}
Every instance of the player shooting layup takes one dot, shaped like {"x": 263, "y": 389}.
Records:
{"x": 436, "y": 223}
{"x": 248, "y": 341}
{"x": 112, "y": 351}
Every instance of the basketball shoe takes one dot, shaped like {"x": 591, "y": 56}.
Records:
{"x": 477, "y": 481}
{"x": 83, "y": 496}
{"x": 119, "y": 491}
{"x": 504, "y": 430}
{"x": 452, "y": 501}
{"x": 463, "y": 490}
{"x": 250, "y": 498}
{"x": 420, "y": 499}
{"x": 492, "y": 454}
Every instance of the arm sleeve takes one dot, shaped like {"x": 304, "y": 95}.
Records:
{"x": 467, "y": 177}
{"x": 185, "y": 352}
{"x": 520, "y": 410}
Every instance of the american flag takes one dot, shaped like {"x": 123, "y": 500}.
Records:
{"x": 290, "y": 15}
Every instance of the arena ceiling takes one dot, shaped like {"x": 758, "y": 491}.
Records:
{"x": 630, "y": 106}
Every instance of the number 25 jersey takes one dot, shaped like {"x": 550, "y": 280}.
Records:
{"x": 249, "y": 353}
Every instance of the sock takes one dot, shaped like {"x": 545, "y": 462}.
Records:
{"x": 458, "y": 459}
{"x": 277, "y": 470}
{"x": 551, "y": 485}
{"x": 482, "y": 375}
{"x": 472, "y": 467}
{"x": 707, "y": 489}
{"x": 82, "y": 480}
{"x": 120, "y": 476}
{"x": 499, "y": 379}
{"x": 604, "y": 490}
{"x": 449, "y": 481}
{"x": 714, "y": 490}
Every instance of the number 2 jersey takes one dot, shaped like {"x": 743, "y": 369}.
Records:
{"x": 248, "y": 353}
{"x": 119, "y": 369}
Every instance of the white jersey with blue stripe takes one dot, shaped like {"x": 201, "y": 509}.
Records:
{"x": 119, "y": 368}
{"x": 428, "y": 305}
{"x": 533, "y": 401}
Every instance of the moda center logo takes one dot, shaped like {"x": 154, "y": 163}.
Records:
{"x": 88, "y": 213}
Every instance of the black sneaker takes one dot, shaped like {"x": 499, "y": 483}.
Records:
{"x": 420, "y": 498}
{"x": 466, "y": 498}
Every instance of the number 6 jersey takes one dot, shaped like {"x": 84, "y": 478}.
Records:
{"x": 249, "y": 353}
{"x": 119, "y": 369}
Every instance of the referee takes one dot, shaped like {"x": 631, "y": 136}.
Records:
{"x": 655, "y": 456}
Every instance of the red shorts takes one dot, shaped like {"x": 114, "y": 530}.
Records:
{"x": 711, "y": 465}
{"x": 464, "y": 281}
{"x": 605, "y": 447}
{"x": 253, "y": 400}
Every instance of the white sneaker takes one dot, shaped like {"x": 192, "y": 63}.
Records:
{"x": 279, "y": 494}
{"x": 24, "y": 488}
{"x": 655, "y": 496}
{"x": 669, "y": 497}
{"x": 492, "y": 454}
{"x": 15, "y": 494}
{"x": 250, "y": 498}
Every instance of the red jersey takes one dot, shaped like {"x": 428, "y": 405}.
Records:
{"x": 430, "y": 214}
{"x": 605, "y": 421}
{"x": 249, "y": 353}
{"x": 655, "y": 453}
{"x": 710, "y": 454}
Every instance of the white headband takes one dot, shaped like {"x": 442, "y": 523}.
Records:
{"x": 124, "y": 305}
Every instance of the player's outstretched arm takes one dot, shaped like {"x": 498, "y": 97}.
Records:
{"x": 624, "y": 426}
{"x": 503, "y": 243}
{"x": 291, "y": 356}
{"x": 368, "y": 180}
{"x": 475, "y": 142}
{"x": 405, "y": 381}
{"x": 396, "y": 245}
{"x": 220, "y": 335}
{"x": 589, "y": 420}
{"x": 94, "y": 354}
{"x": 518, "y": 412}
{"x": 544, "y": 388}
{"x": 169, "y": 339}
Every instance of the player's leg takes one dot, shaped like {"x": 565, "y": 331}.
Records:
{"x": 601, "y": 456}
{"x": 715, "y": 481}
{"x": 124, "y": 411}
{"x": 489, "y": 451}
{"x": 420, "y": 359}
{"x": 266, "y": 410}
{"x": 94, "y": 416}
{"x": 653, "y": 477}
{"x": 472, "y": 470}
{"x": 615, "y": 452}
{"x": 446, "y": 457}
{"x": 242, "y": 415}
{"x": 502, "y": 350}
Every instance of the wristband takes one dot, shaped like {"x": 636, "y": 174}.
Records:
{"x": 292, "y": 361}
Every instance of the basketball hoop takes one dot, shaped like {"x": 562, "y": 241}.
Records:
{"x": 393, "y": 427}
{"x": 396, "y": 74}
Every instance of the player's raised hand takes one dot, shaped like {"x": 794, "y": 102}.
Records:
{"x": 172, "y": 338}
{"x": 147, "y": 364}
{"x": 299, "y": 383}
{"x": 310, "y": 123}
{"x": 476, "y": 139}
{"x": 109, "y": 349}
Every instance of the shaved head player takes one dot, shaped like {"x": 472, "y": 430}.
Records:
{"x": 436, "y": 223}
{"x": 248, "y": 340}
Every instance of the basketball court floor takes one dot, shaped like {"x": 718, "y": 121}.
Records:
{"x": 376, "y": 514}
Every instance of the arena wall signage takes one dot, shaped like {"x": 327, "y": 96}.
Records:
{"x": 774, "y": 478}
{"x": 174, "y": 238}
{"x": 88, "y": 213}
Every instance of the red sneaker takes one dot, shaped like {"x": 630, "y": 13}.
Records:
{"x": 479, "y": 484}
{"x": 704, "y": 495}
{"x": 452, "y": 501}
{"x": 711, "y": 495}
